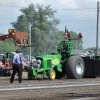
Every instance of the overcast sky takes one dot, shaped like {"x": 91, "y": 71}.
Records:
{"x": 76, "y": 15}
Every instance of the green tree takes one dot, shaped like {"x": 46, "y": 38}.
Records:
{"x": 44, "y": 31}
{"x": 43, "y": 24}
{"x": 91, "y": 50}
{"x": 7, "y": 46}
{"x": 54, "y": 40}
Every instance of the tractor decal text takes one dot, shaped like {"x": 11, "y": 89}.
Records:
{"x": 55, "y": 61}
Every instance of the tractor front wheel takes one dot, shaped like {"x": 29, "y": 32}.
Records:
{"x": 52, "y": 74}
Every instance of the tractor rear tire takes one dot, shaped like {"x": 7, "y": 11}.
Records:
{"x": 74, "y": 67}
{"x": 52, "y": 74}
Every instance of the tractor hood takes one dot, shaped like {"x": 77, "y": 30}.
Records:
{"x": 51, "y": 56}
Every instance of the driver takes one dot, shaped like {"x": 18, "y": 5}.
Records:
{"x": 64, "y": 48}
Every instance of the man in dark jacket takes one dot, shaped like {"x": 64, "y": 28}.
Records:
{"x": 17, "y": 66}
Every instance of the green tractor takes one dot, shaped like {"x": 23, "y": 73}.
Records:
{"x": 57, "y": 65}
{"x": 65, "y": 63}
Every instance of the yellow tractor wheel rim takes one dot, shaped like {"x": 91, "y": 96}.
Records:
{"x": 53, "y": 75}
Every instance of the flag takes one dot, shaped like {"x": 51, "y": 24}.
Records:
{"x": 66, "y": 34}
{"x": 79, "y": 35}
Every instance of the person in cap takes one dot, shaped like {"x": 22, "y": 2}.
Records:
{"x": 17, "y": 66}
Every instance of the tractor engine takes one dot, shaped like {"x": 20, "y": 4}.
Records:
{"x": 36, "y": 63}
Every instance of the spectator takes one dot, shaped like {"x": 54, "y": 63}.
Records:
{"x": 1, "y": 68}
{"x": 17, "y": 66}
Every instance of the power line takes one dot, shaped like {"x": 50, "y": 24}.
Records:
{"x": 60, "y": 20}
{"x": 10, "y": 11}
{"x": 80, "y": 29}
{"x": 59, "y": 9}
{"x": 7, "y": 18}
{"x": 84, "y": 29}
{"x": 77, "y": 9}
{"x": 70, "y": 21}
{"x": 10, "y": 6}
{"x": 54, "y": 9}
{"x": 75, "y": 20}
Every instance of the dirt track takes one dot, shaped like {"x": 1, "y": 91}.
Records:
{"x": 67, "y": 92}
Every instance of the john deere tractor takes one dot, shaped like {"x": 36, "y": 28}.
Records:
{"x": 57, "y": 65}
{"x": 65, "y": 63}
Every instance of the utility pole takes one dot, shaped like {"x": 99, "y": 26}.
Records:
{"x": 97, "y": 29}
{"x": 30, "y": 41}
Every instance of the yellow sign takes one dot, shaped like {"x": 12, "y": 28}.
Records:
{"x": 55, "y": 61}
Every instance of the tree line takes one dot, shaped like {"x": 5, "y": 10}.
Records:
{"x": 45, "y": 36}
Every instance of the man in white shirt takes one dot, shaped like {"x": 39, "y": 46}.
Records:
{"x": 17, "y": 66}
